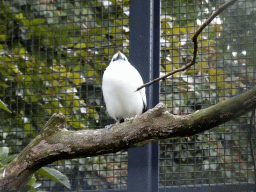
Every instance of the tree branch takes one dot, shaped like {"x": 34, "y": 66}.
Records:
{"x": 194, "y": 40}
{"x": 55, "y": 142}
{"x": 252, "y": 122}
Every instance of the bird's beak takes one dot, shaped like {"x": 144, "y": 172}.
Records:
{"x": 119, "y": 56}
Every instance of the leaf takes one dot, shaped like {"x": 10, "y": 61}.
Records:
{"x": 212, "y": 71}
{"x": 54, "y": 175}
{"x": 4, "y": 151}
{"x": 19, "y": 16}
{"x": 233, "y": 91}
{"x": 32, "y": 181}
{"x": 183, "y": 30}
{"x": 176, "y": 31}
{"x": 203, "y": 64}
{"x": 3, "y": 106}
{"x": 3, "y": 37}
{"x": 9, "y": 159}
{"x": 1, "y": 48}
{"x": 205, "y": 43}
{"x": 3, "y": 85}
{"x": 176, "y": 60}
{"x": 80, "y": 45}
{"x": 3, "y": 155}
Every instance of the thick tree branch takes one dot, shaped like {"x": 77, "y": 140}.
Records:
{"x": 55, "y": 142}
{"x": 194, "y": 40}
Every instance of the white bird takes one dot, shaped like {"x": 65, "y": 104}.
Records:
{"x": 119, "y": 84}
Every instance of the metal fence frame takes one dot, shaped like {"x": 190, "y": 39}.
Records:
{"x": 145, "y": 56}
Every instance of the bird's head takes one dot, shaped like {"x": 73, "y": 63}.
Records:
{"x": 119, "y": 57}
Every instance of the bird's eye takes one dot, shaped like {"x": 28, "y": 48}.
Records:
{"x": 119, "y": 58}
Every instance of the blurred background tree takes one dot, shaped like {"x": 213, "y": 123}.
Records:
{"x": 225, "y": 67}
{"x": 53, "y": 54}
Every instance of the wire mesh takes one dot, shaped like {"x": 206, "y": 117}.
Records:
{"x": 52, "y": 56}
{"x": 225, "y": 68}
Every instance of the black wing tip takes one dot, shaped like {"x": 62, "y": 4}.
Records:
{"x": 144, "y": 108}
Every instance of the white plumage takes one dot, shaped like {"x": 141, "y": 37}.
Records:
{"x": 119, "y": 83}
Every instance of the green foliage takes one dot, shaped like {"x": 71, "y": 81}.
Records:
{"x": 5, "y": 159}
{"x": 3, "y": 106}
{"x": 221, "y": 154}
{"x": 52, "y": 56}
{"x": 32, "y": 186}
{"x": 53, "y": 175}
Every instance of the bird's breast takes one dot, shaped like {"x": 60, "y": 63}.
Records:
{"x": 119, "y": 86}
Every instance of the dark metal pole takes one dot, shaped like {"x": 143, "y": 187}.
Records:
{"x": 144, "y": 56}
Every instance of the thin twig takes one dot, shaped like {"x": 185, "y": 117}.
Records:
{"x": 194, "y": 40}
{"x": 251, "y": 143}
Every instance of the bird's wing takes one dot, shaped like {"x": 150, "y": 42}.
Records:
{"x": 144, "y": 99}
{"x": 138, "y": 79}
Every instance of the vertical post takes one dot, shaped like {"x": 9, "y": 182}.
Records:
{"x": 144, "y": 56}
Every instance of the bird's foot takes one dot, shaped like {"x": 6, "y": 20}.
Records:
{"x": 109, "y": 126}
{"x": 132, "y": 118}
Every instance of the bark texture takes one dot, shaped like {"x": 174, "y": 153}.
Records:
{"x": 55, "y": 142}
